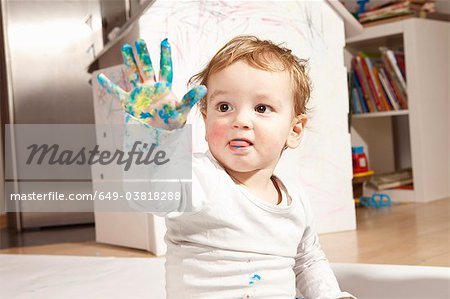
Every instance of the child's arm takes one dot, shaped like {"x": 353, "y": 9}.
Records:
{"x": 154, "y": 115}
{"x": 314, "y": 276}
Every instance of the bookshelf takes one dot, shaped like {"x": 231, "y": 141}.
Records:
{"x": 380, "y": 114}
{"x": 418, "y": 137}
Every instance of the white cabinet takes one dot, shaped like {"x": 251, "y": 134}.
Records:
{"x": 420, "y": 137}
{"x": 127, "y": 228}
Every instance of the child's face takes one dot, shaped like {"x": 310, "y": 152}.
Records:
{"x": 250, "y": 117}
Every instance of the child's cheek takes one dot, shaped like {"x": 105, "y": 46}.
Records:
{"x": 217, "y": 133}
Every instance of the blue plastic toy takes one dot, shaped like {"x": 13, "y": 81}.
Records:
{"x": 362, "y": 6}
{"x": 377, "y": 200}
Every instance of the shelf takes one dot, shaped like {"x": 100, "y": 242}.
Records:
{"x": 375, "y": 32}
{"x": 399, "y": 142}
{"x": 381, "y": 114}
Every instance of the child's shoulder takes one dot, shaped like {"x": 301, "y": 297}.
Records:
{"x": 205, "y": 161}
{"x": 296, "y": 191}
{"x": 206, "y": 169}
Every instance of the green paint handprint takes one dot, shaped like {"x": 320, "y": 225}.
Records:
{"x": 149, "y": 101}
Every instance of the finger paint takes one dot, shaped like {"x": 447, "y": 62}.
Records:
{"x": 165, "y": 71}
{"x": 130, "y": 64}
{"x": 144, "y": 61}
{"x": 143, "y": 102}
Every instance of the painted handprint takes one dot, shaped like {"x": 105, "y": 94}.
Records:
{"x": 149, "y": 101}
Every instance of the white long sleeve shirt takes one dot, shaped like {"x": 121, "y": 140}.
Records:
{"x": 235, "y": 245}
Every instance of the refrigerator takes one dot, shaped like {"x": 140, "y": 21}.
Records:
{"x": 46, "y": 48}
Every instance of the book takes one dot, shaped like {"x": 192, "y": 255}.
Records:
{"x": 383, "y": 96}
{"x": 357, "y": 85}
{"x": 402, "y": 101}
{"x": 405, "y": 187}
{"x": 393, "y": 76}
{"x": 400, "y": 58}
{"x": 364, "y": 85}
{"x": 367, "y": 74}
{"x": 374, "y": 83}
{"x": 377, "y": 88}
{"x": 392, "y": 180}
{"x": 388, "y": 11}
{"x": 388, "y": 89}
{"x": 396, "y": 9}
{"x": 356, "y": 104}
{"x": 393, "y": 61}
{"x": 354, "y": 95}
{"x": 387, "y": 20}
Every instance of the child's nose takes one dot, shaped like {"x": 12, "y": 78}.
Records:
{"x": 242, "y": 121}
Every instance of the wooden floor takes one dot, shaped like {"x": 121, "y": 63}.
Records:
{"x": 408, "y": 234}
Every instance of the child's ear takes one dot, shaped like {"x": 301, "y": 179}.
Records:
{"x": 296, "y": 133}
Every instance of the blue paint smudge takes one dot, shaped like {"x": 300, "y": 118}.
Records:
{"x": 255, "y": 277}
{"x": 145, "y": 115}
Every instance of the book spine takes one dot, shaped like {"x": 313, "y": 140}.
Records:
{"x": 400, "y": 58}
{"x": 357, "y": 85}
{"x": 388, "y": 88}
{"x": 385, "y": 10}
{"x": 393, "y": 79}
{"x": 382, "y": 93}
{"x": 373, "y": 90}
{"x": 363, "y": 83}
{"x": 399, "y": 94}
{"x": 391, "y": 57}
{"x": 355, "y": 102}
{"x": 377, "y": 87}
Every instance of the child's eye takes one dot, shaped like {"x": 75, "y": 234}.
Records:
{"x": 263, "y": 108}
{"x": 223, "y": 107}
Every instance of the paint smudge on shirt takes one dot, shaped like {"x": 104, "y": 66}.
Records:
{"x": 254, "y": 278}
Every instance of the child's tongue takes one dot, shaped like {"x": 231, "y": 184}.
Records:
{"x": 239, "y": 143}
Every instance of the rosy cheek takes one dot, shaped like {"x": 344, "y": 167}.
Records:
{"x": 217, "y": 133}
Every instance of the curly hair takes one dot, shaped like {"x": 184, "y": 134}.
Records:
{"x": 264, "y": 55}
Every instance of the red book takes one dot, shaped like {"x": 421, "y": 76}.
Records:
{"x": 364, "y": 85}
{"x": 373, "y": 90}
{"x": 393, "y": 68}
{"x": 400, "y": 58}
{"x": 399, "y": 94}
{"x": 395, "y": 83}
{"x": 390, "y": 94}
{"x": 384, "y": 100}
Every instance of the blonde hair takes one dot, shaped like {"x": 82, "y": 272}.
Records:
{"x": 264, "y": 55}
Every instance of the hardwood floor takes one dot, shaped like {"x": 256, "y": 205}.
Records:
{"x": 10, "y": 238}
{"x": 408, "y": 234}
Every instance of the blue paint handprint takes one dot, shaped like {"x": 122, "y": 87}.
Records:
{"x": 149, "y": 101}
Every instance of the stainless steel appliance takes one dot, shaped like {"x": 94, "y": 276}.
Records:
{"x": 47, "y": 47}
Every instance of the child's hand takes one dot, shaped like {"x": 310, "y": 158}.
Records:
{"x": 150, "y": 101}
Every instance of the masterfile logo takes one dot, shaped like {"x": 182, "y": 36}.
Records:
{"x": 102, "y": 168}
{"x": 140, "y": 153}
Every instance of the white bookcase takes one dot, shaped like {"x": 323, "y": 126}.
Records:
{"x": 418, "y": 137}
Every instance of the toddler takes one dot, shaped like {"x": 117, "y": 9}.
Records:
{"x": 250, "y": 235}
